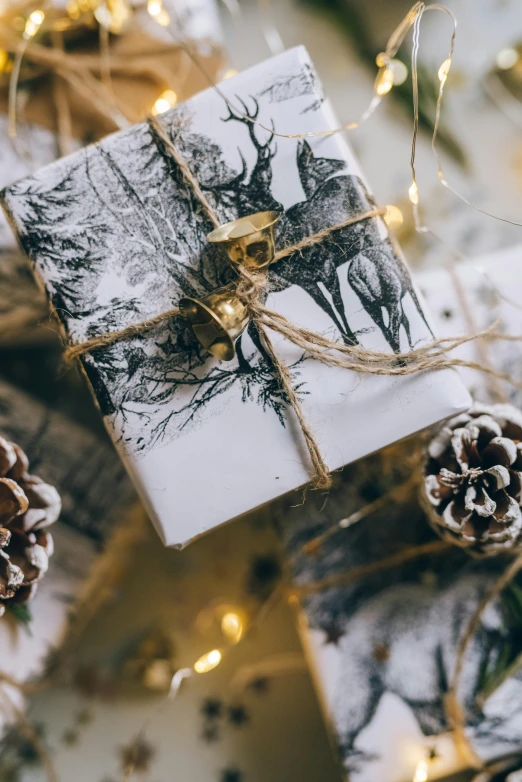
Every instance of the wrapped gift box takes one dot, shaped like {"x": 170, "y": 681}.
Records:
{"x": 97, "y": 498}
{"x": 382, "y": 647}
{"x": 207, "y": 441}
{"x": 492, "y": 289}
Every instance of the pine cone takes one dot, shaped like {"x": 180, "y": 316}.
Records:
{"x": 473, "y": 479}
{"x": 28, "y": 506}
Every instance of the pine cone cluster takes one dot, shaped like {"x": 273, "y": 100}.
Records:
{"x": 473, "y": 479}
{"x": 28, "y": 507}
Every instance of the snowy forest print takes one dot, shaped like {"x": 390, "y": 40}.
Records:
{"x": 384, "y": 646}
{"x": 118, "y": 236}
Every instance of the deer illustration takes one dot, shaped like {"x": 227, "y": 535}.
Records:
{"x": 377, "y": 276}
{"x": 381, "y": 283}
{"x": 245, "y": 195}
{"x": 314, "y": 171}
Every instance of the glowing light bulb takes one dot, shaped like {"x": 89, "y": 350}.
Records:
{"x": 166, "y": 101}
{"x": 232, "y": 626}
{"x": 413, "y": 193}
{"x": 73, "y": 10}
{"x": 158, "y": 12}
{"x": 444, "y": 70}
{"x": 208, "y": 661}
{"x": 382, "y": 59}
{"x": 384, "y": 81}
{"x": 400, "y": 72}
{"x": 507, "y": 58}
{"x": 229, "y": 73}
{"x": 33, "y": 23}
{"x": 421, "y": 771}
{"x": 393, "y": 217}
{"x": 163, "y": 18}
{"x": 154, "y": 7}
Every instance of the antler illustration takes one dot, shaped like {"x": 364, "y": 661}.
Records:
{"x": 255, "y": 194}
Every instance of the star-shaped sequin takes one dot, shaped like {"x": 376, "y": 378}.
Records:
{"x": 137, "y": 755}
{"x": 231, "y": 775}
{"x": 212, "y": 708}
{"x": 210, "y": 734}
{"x": 70, "y": 737}
{"x": 237, "y": 715}
{"x": 260, "y": 685}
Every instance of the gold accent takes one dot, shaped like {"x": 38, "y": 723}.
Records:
{"x": 216, "y": 321}
{"x": 248, "y": 241}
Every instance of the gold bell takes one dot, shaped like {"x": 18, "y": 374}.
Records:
{"x": 216, "y": 321}
{"x": 249, "y": 240}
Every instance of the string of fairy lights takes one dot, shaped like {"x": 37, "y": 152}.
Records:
{"x": 392, "y": 71}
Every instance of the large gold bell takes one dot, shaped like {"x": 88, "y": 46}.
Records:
{"x": 249, "y": 240}
{"x": 217, "y": 321}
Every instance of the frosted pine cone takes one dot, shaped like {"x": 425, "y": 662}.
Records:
{"x": 28, "y": 506}
{"x": 473, "y": 479}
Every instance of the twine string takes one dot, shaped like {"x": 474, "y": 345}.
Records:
{"x": 454, "y": 710}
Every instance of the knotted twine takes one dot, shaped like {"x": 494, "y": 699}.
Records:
{"x": 252, "y": 288}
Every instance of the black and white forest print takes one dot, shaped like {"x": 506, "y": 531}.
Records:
{"x": 118, "y": 236}
{"x": 384, "y": 647}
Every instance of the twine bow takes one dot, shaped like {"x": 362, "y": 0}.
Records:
{"x": 252, "y": 287}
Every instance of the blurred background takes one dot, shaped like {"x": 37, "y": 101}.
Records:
{"x": 168, "y": 607}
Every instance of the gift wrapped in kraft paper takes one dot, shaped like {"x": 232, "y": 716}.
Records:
{"x": 205, "y": 439}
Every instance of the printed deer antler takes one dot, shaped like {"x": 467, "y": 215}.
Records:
{"x": 254, "y": 195}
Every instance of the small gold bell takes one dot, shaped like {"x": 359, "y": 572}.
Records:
{"x": 249, "y": 240}
{"x": 216, "y": 321}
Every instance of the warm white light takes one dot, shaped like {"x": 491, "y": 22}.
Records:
{"x": 393, "y": 217}
{"x": 384, "y": 81}
{"x": 158, "y": 675}
{"x": 231, "y": 72}
{"x": 166, "y": 101}
{"x": 444, "y": 70}
{"x": 4, "y": 59}
{"x": 208, "y": 661}
{"x": 413, "y": 193}
{"x": 33, "y": 23}
{"x": 154, "y": 7}
{"x": 421, "y": 771}
{"x": 507, "y": 58}
{"x": 232, "y": 626}
{"x": 400, "y": 72}
{"x": 163, "y": 18}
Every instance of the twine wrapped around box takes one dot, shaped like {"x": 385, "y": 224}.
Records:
{"x": 251, "y": 288}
